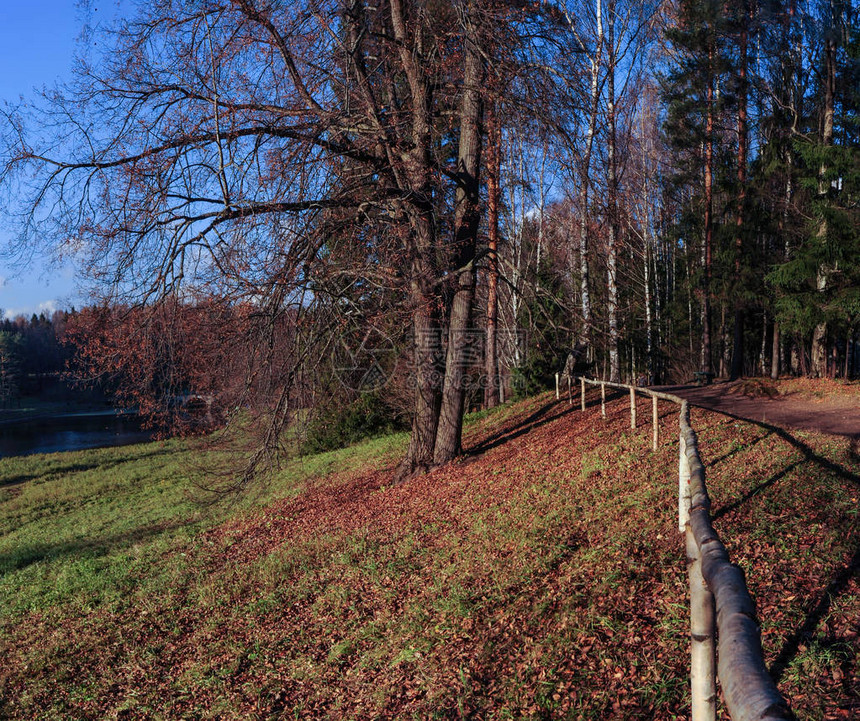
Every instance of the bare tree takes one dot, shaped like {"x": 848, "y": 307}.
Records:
{"x": 216, "y": 145}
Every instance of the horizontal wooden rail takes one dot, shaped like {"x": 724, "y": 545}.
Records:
{"x": 720, "y": 604}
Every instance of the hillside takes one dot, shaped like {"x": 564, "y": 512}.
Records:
{"x": 542, "y": 576}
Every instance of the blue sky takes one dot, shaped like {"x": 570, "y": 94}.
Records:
{"x": 38, "y": 42}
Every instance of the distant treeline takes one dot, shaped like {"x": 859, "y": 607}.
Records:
{"x": 33, "y": 355}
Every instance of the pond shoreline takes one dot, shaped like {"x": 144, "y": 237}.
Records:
{"x": 44, "y": 414}
{"x": 70, "y": 430}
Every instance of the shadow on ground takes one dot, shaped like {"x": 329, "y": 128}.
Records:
{"x": 83, "y": 548}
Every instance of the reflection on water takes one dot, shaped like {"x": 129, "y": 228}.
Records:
{"x": 70, "y": 433}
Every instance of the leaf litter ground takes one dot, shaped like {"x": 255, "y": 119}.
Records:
{"x": 541, "y": 576}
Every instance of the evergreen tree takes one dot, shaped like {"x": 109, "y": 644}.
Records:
{"x": 10, "y": 368}
{"x": 694, "y": 105}
{"x": 818, "y": 283}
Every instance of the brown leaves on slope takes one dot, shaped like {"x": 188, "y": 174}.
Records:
{"x": 540, "y": 576}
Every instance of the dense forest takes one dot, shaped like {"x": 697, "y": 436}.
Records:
{"x": 33, "y": 357}
{"x": 428, "y": 206}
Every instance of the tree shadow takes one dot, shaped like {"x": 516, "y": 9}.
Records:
{"x": 808, "y": 453}
{"x": 735, "y": 451}
{"x": 24, "y": 557}
{"x": 63, "y": 470}
{"x": 534, "y": 420}
{"x": 518, "y": 429}
{"x": 737, "y": 503}
{"x": 804, "y": 633}
{"x": 539, "y": 418}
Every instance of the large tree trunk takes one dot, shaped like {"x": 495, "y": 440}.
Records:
{"x": 493, "y": 169}
{"x": 467, "y": 216}
{"x": 422, "y": 249}
{"x": 427, "y": 365}
{"x": 818, "y": 352}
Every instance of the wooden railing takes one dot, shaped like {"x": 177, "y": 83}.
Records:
{"x": 720, "y": 604}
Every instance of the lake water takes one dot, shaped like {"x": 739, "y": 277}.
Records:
{"x": 70, "y": 433}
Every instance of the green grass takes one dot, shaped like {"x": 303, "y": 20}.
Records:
{"x": 543, "y": 578}
{"x": 88, "y": 527}
{"x": 72, "y": 525}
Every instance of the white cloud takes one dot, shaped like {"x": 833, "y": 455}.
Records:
{"x": 46, "y": 306}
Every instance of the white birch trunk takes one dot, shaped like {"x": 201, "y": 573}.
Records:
{"x": 603, "y": 400}
{"x": 655, "y": 420}
{"x": 632, "y": 409}
{"x": 612, "y": 258}
{"x": 585, "y": 179}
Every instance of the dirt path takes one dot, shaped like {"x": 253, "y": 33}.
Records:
{"x": 837, "y": 413}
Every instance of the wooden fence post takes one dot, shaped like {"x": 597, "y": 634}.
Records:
{"x": 655, "y": 420}
{"x": 556, "y": 387}
{"x": 633, "y": 408}
{"x": 603, "y": 400}
{"x": 582, "y": 391}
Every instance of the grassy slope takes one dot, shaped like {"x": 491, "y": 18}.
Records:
{"x": 542, "y": 576}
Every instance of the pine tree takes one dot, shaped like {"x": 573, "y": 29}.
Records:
{"x": 10, "y": 368}
{"x": 693, "y": 108}
{"x": 819, "y": 283}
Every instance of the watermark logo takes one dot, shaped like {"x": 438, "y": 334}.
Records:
{"x": 366, "y": 360}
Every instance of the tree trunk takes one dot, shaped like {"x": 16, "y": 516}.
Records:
{"x": 775, "y": 353}
{"x": 422, "y": 249}
{"x": 493, "y": 168}
{"x": 427, "y": 365}
{"x": 737, "y": 362}
{"x": 689, "y": 263}
{"x": 612, "y": 259}
{"x": 706, "y": 358}
{"x": 649, "y": 338}
{"x": 738, "y": 340}
{"x": 646, "y": 257}
{"x": 819, "y": 335}
{"x": 467, "y": 217}
{"x": 585, "y": 335}
{"x": 802, "y": 355}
